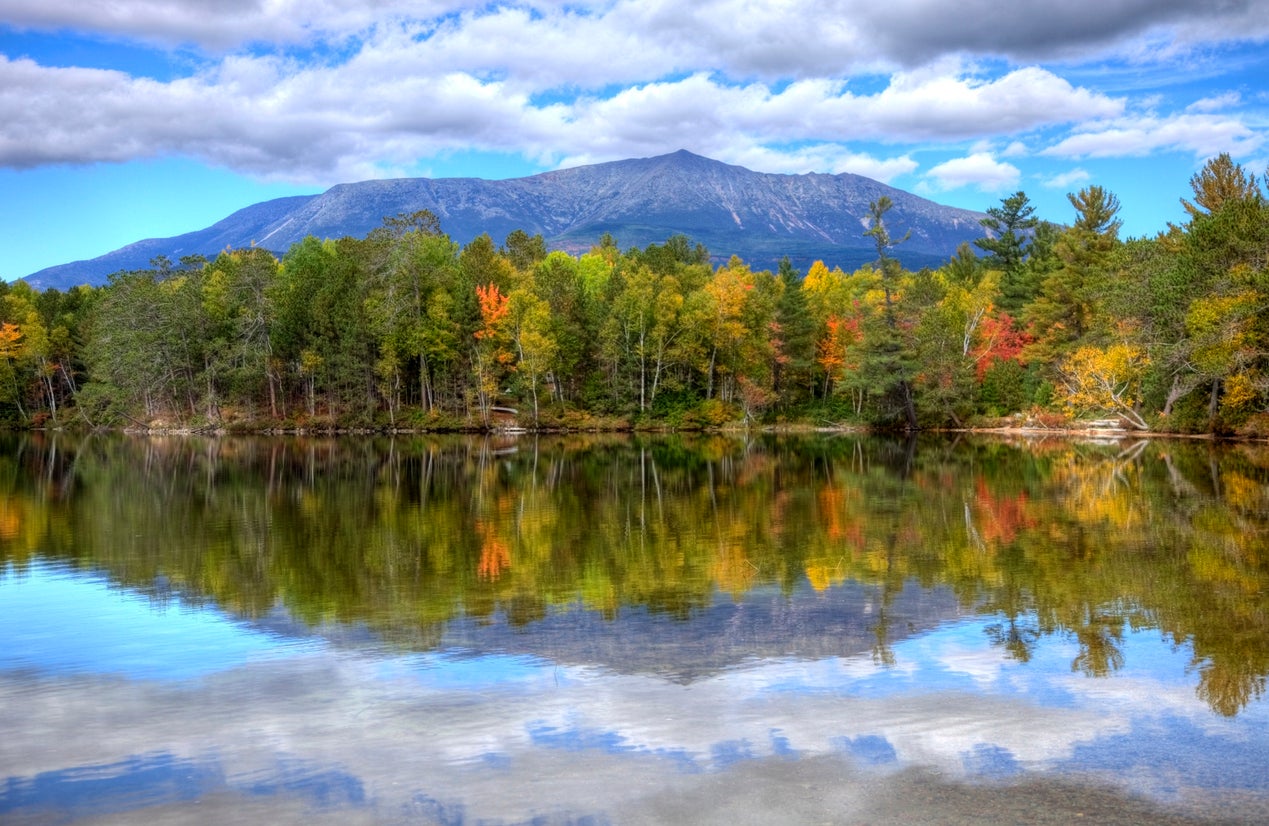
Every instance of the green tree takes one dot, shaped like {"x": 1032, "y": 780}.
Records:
{"x": 524, "y": 251}
{"x": 1205, "y": 283}
{"x": 1066, "y": 311}
{"x": 322, "y": 331}
{"x": 886, "y": 351}
{"x": 629, "y": 338}
{"x": 573, "y": 320}
{"x": 145, "y": 355}
{"x": 528, "y": 323}
{"x": 410, "y": 305}
{"x": 238, "y": 316}
{"x": 1220, "y": 181}
{"x": 793, "y": 372}
{"x": 1009, "y": 228}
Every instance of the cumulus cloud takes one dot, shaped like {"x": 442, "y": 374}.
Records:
{"x": 329, "y": 90}
{"x": 269, "y": 117}
{"x": 1200, "y": 134}
{"x": 980, "y": 170}
{"x": 1066, "y": 180}
{"x": 251, "y": 116}
{"x": 844, "y": 32}
{"x": 948, "y": 106}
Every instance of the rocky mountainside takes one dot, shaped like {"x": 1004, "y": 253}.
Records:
{"x": 731, "y": 210}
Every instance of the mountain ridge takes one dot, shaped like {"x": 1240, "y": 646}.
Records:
{"x": 757, "y": 216}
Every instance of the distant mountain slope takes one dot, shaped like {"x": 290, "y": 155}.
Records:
{"x": 230, "y": 232}
{"x": 732, "y": 211}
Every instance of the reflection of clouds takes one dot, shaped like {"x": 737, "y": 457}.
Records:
{"x": 983, "y": 666}
{"x": 462, "y": 737}
{"x": 523, "y": 737}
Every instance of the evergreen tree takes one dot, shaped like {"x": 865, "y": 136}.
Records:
{"x": 1009, "y": 228}
{"x": 1067, "y": 309}
{"x": 889, "y": 368}
{"x": 1220, "y": 180}
{"x": 793, "y": 375}
{"x": 524, "y": 250}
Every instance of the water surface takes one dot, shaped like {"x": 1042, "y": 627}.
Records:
{"x": 614, "y": 630}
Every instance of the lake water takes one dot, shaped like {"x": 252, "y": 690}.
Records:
{"x": 822, "y": 629}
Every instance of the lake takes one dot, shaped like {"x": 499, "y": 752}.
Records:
{"x": 613, "y": 629}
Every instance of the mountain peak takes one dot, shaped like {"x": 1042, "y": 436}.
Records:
{"x": 684, "y": 156}
{"x": 684, "y": 159}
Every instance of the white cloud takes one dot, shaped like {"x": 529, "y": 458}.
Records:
{"x": 269, "y": 117}
{"x": 980, "y": 170}
{"x": 844, "y": 32}
{"x": 949, "y": 107}
{"x": 252, "y": 117}
{"x": 1066, "y": 180}
{"x": 715, "y": 116}
{"x": 399, "y": 82}
{"x": 1216, "y": 103}
{"x": 824, "y": 157}
{"x": 1200, "y": 134}
{"x": 229, "y": 25}
{"x": 884, "y": 170}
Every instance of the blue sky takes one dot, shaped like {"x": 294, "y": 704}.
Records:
{"x": 128, "y": 119}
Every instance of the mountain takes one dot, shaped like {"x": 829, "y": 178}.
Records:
{"x": 731, "y": 210}
{"x": 237, "y": 230}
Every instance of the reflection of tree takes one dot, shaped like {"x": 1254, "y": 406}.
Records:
{"x": 1017, "y": 635}
{"x": 1100, "y": 642}
{"x": 1230, "y": 685}
{"x": 495, "y": 556}
{"x": 882, "y": 652}
{"x": 407, "y": 534}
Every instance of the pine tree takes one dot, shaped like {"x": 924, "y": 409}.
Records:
{"x": 793, "y": 372}
{"x": 1010, "y": 228}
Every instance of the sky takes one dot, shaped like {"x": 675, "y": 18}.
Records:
{"x": 122, "y": 120}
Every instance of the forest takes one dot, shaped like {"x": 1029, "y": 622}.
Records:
{"x": 404, "y": 329}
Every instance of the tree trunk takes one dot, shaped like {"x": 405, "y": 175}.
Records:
{"x": 709, "y": 387}
{"x": 1213, "y": 404}
{"x": 908, "y": 405}
{"x": 1178, "y": 391}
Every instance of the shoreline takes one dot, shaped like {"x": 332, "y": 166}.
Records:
{"x": 1093, "y": 431}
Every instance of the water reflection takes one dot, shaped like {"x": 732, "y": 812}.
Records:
{"x": 444, "y": 630}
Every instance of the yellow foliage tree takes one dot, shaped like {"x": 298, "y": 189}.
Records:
{"x": 1106, "y": 379}
{"x": 1229, "y": 345}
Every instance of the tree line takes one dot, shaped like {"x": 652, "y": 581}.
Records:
{"x": 407, "y": 329}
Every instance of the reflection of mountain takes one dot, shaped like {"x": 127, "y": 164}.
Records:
{"x": 764, "y": 624}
